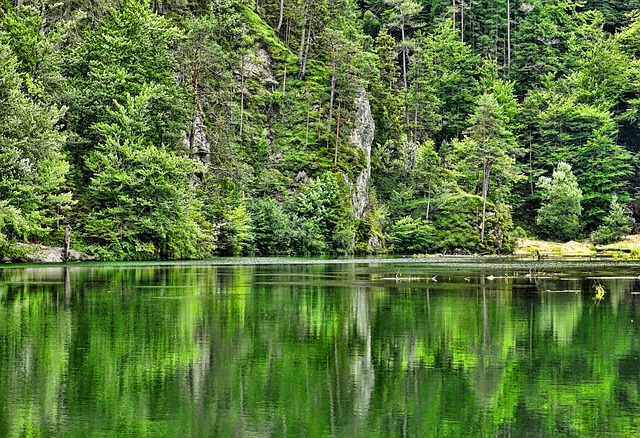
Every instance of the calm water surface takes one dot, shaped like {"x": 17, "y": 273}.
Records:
{"x": 281, "y": 347}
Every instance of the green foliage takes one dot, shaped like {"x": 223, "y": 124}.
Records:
{"x": 369, "y": 236}
{"x": 412, "y": 236}
{"x": 582, "y": 135}
{"x": 271, "y": 227}
{"x": 519, "y": 233}
{"x": 140, "y": 200}
{"x": 454, "y": 229}
{"x": 449, "y": 69}
{"x": 12, "y": 227}
{"x": 488, "y": 151}
{"x": 235, "y": 231}
{"x": 34, "y": 37}
{"x": 616, "y": 225}
{"x": 129, "y": 51}
{"x": 559, "y": 215}
{"x": 253, "y": 105}
{"x": 458, "y": 221}
{"x": 323, "y": 216}
{"x": 33, "y": 168}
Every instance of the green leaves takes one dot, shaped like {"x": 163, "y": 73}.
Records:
{"x": 140, "y": 199}
{"x": 141, "y": 203}
{"x": 616, "y": 224}
{"x": 126, "y": 54}
{"x": 32, "y": 166}
{"x": 559, "y": 216}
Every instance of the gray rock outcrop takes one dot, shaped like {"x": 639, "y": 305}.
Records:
{"x": 362, "y": 136}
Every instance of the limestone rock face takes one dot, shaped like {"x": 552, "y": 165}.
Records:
{"x": 197, "y": 141}
{"x": 258, "y": 65}
{"x": 362, "y": 136}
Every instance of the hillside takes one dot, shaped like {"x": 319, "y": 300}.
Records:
{"x": 174, "y": 129}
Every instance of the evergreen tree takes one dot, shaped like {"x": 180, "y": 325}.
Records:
{"x": 489, "y": 147}
{"x": 129, "y": 50}
{"x": 140, "y": 200}
{"x": 559, "y": 215}
{"x": 616, "y": 225}
{"x": 452, "y": 70}
{"x": 34, "y": 197}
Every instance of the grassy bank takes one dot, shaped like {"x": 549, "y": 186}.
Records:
{"x": 629, "y": 247}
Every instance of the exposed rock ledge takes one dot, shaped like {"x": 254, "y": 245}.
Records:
{"x": 43, "y": 254}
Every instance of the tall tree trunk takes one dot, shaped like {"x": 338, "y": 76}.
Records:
{"x": 405, "y": 81}
{"x": 486, "y": 169}
{"x": 428, "y": 201}
{"x": 415, "y": 121}
{"x": 508, "y": 35}
{"x": 462, "y": 20}
{"x": 241, "y": 94}
{"x": 284, "y": 81}
{"x": 280, "y": 20}
{"x": 306, "y": 134}
{"x": 332, "y": 96}
{"x": 530, "y": 167}
{"x": 319, "y": 124}
{"x": 305, "y": 57}
{"x": 303, "y": 38}
{"x": 335, "y": 155}
{"x": 453, "y": 18}
{"x": 287, "y": 38}
{"x": 416, "y": 107}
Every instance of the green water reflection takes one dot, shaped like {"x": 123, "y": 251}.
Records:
{"x": 455, "y": 347}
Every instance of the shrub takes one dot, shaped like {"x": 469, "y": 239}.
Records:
{"x": 412, "y": 236}
{"x": 615, "y": 226}
{"x": 519, "y": 233}
{"x": 271, "y": 227}
{"x": 559, "y": 216}
{"x": 458, "y": 224}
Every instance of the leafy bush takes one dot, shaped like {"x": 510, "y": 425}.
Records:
{"x": 307, "y": 237}
{"x": 412, "y": 236}
{"x": 235, "y": 231}
{"x": 616, "y": 225}
{"x": 559, "y": 216}
{"x": 322, "y": 209}
{"x": 458, "y": 224}
{"x": 455, "y": 228}
{"x": 369, "y": 234}
{"x": 271, "y": 227}
{"x": 519, "y": 233}
{"x": 12, "y": 224}
{"x": 141, "y": 204}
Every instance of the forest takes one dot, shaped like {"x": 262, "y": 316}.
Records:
{"x": 180, "y": 129}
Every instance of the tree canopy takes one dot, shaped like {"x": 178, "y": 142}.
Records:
{"x": 178, "y": 129}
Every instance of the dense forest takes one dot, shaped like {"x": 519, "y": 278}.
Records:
{"x": 184, "y": 129}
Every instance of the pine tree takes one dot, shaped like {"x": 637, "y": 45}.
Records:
{"x": 616, "y": 224}
{"x": 559, "y": 215}
{"x": 489, "y": 146}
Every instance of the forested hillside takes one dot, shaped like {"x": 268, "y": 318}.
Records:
{"x": 184, "y": 129}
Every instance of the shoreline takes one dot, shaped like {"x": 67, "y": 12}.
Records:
{"x": 627, "y": 248}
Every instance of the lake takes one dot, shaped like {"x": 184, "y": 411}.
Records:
{"x": 291, "y": 347}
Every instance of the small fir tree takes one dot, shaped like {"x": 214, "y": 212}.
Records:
{"x": 559, "y": 216}
{"x": 616, "y": 225}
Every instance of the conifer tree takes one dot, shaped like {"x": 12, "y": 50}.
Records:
{"x": 489, "y": 147}
{"x": 559, "y": 215}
